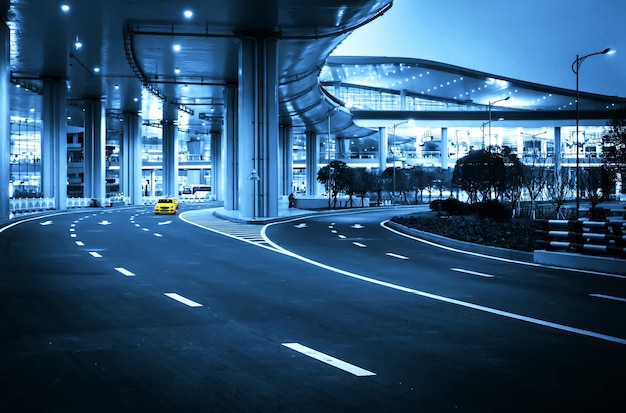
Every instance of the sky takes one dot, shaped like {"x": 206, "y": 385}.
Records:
{"x": 531, "y": 40}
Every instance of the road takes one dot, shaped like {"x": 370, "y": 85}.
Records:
{"x": 119, "y": 309}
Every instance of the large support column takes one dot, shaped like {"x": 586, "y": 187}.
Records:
{"x": 170, "y": 150}
{"x": 5, "y": 118}
{"x": 54, "y": 142}
{"x": 557, "y": 149}
{"x": 230, "y": 151}
{"x": 444, "y": 148}
{"x": 286, "y": 160}
{"x": 383, "y": 148}
{"x": 95, "y": 150}
{"x": 216, "y": 165}
{"x": 131, "y": 159}
{"x": 258, "y": 127}
{"x": 312, "y": 160}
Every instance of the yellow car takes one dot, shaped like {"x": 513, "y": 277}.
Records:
{"x": 166, "y": 206}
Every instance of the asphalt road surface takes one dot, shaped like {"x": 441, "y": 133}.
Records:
{"x": 119, "y": 310}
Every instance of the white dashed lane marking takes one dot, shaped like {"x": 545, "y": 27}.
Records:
{"x": 398, "y": 256}
{"x": 183, "y": 300}
{"x": 480, "y": 274}
{"x": 95, "y": 254}
{"x": 330, "y": 360}
{"x": 125, "y": 272}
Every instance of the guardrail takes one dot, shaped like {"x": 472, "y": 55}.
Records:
{"x": 601, "y": 238}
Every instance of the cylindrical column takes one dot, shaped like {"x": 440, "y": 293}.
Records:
{"x": 54, "y": 142}
{"x": 95, "y": 151}
{"x": 216, "y": 165}
{"x": 444, "y": 148}
{"x": 312, "y": 163}
{"x": 5, "y": 123}
{"x": 131, "y": 172}
{"x": 230, "y": 151}
{"x": 258, "y": 127}
{"x": 383, "y": 148}
{"x": 286, "y": 159}
{"x": 170, "y": 150}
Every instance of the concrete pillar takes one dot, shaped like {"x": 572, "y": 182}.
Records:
{"x": 444, "y": 148}
{"x": 258, "y": 127}
{"x": 403, "y": 99}
{"x": 54, "y": 142}
{"x": 5, "y": 118}
{"x": 285, "y": 161}
{"x": 230, "y": 150}
{"x": 312, "y": 163}
{"x": 557, "y": 148}
{"x": 383, "y": 148}
{"x": 216, "y": 165}
{"x": 131, "y": 173}
{"x": 95, "y": 150}
{"x": 170, "y": 150}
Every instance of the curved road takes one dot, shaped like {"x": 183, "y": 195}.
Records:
{"x": 120, "y": 309}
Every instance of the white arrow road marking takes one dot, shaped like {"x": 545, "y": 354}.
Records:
{"x": 332, "y": 361}
{"x": 125, "y": 272}
{"x": 480, "y": 274}
{"x": 358, "y": 244}
{"x": 394, "y": 255}
{"x": 95, "y": 254}
{"x": 608, "y": 297}
{"x": 165, "y": 223}
{"x": 46, "y": 223}
{"x": 358, "y": 226}
{"x": 183, "y": 300}
{"x": 303, "y": 225}
{"x": 104, "y": 222}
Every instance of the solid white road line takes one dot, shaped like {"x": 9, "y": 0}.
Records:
{"x": 448, "y": 300}
{"x": 480, "y": 274}
{"x": 125, "y": 272}
{"x": 358, "y": 244}
{"x": 357, "y": 371}
{"x": 183, "y": 300}
{"x": 95, "y": 254}
{"x": 393, "y": 255}
{"x": 608, "y": 297}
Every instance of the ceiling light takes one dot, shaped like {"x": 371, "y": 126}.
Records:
{"x": 176, "y": 47}
{"x": 96, "y": 69}
{"x": 188, "y": 14}
{"x": 177, "y": 70}
{"x": 77, "y": 44}
{"x": 116, "y": 86}
{"x": 65, "y": 8}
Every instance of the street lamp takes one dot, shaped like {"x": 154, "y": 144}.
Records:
{"x": 575, "y": 68}
{"x": 394, "y": 160}
{"x": 489, "y": 110}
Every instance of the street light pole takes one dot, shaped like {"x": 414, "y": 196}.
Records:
{"x": 489, "y": 110}
{"x": 575, "y": 68}
{"x": 393, "y": 199}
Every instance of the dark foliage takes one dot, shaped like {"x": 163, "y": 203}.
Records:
{"x": 492, "y": 210}
{"x": 450, "y": 205}
{"x": 514, "y": 234}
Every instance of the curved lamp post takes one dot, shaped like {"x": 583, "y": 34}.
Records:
{"x": 575, "y": 68}
{"x": 489, "y": 110}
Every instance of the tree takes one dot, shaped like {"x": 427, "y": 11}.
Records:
{"x": 481, "y": 174}
{"x": 559, "y": 185}
{"x": 614, "y": 149}
{"x": 336, "y": 178}
{"x": 513, "y": 178}
{"x": 363, "y": 181}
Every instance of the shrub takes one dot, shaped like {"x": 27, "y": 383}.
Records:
{"x": 492, "y": 210}
{"x": 450, "y": 205}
